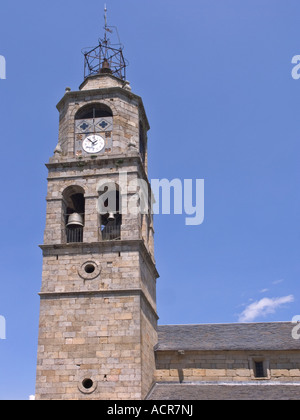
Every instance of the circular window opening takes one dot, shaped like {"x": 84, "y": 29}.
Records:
{"x": 87, "y": 383}
{"x": 89, "y": 269}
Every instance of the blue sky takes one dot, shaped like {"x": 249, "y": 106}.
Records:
{"x": 215, "y": 78}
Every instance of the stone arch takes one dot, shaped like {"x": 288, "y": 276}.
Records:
{"x": 110, "y": 209}
{"x": 73, "y": 196}
{"x": 93, "y": 110}
{"x": 106, "y": 103}
{"x": 73, "y": 210}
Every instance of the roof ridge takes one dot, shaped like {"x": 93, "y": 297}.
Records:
{"x": 226, "y": 323}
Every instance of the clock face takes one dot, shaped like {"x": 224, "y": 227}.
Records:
{"x": 93, "y": 144}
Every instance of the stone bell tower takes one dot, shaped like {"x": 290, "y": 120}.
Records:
{"x": 98, "y": 320}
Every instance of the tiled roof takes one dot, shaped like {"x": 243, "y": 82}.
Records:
{"x": 221, "y": 391}
{"x": 215, "y": 337}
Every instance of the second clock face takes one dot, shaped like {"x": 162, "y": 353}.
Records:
{"x": 93, "y": 144}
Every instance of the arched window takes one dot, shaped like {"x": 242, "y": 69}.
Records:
{"x": 109, "y": 207}
{"x": 93, "y": 111}
{"x": 74, "y": 213}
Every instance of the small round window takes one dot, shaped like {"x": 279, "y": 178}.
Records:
{"x": 89, "y": 270}
{"x": 87, "y": 385}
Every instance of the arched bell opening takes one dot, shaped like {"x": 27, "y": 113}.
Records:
{"x": 90, "y": 111}
{"x": 110, "y": 212}
{"x": 73, "y": 214}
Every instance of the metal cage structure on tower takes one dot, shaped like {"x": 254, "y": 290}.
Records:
{"x": 105, "y": 59}
{"x": 108, "y": 56}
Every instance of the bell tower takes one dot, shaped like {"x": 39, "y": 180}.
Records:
{"x": 98, "y": 319}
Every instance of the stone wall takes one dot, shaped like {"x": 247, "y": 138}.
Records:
{"x": 93, "y": 337}
{"x": 193, "y": 366}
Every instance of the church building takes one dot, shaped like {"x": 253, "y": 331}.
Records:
{"x": 99, "y": 337}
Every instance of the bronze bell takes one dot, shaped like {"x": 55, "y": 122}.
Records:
{"x": 75, "y": 220}
{"x": 105, "y": 67}
{"x": 111, "y": 217}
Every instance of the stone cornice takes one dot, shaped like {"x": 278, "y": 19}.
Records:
{"x": 68, "y": 162}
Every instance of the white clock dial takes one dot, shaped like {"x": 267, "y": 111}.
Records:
{"x": 93, "y": 144}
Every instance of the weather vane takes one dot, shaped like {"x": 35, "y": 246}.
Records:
{"x": 105, "y": 15}
{"x": 107, "y": 57}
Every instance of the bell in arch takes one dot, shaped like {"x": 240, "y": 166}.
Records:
{"x": 111, "y": 217}
{"x": 75, "y": 220}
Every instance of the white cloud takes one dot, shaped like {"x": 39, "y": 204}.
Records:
{"x": 263, "y": 307}
{"x": 278, "y": 281}
{"x": 264, "y": 291}
{"x": 31, "y": 397}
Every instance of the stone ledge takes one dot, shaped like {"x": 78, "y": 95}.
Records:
{"x": 67, "y": 162}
